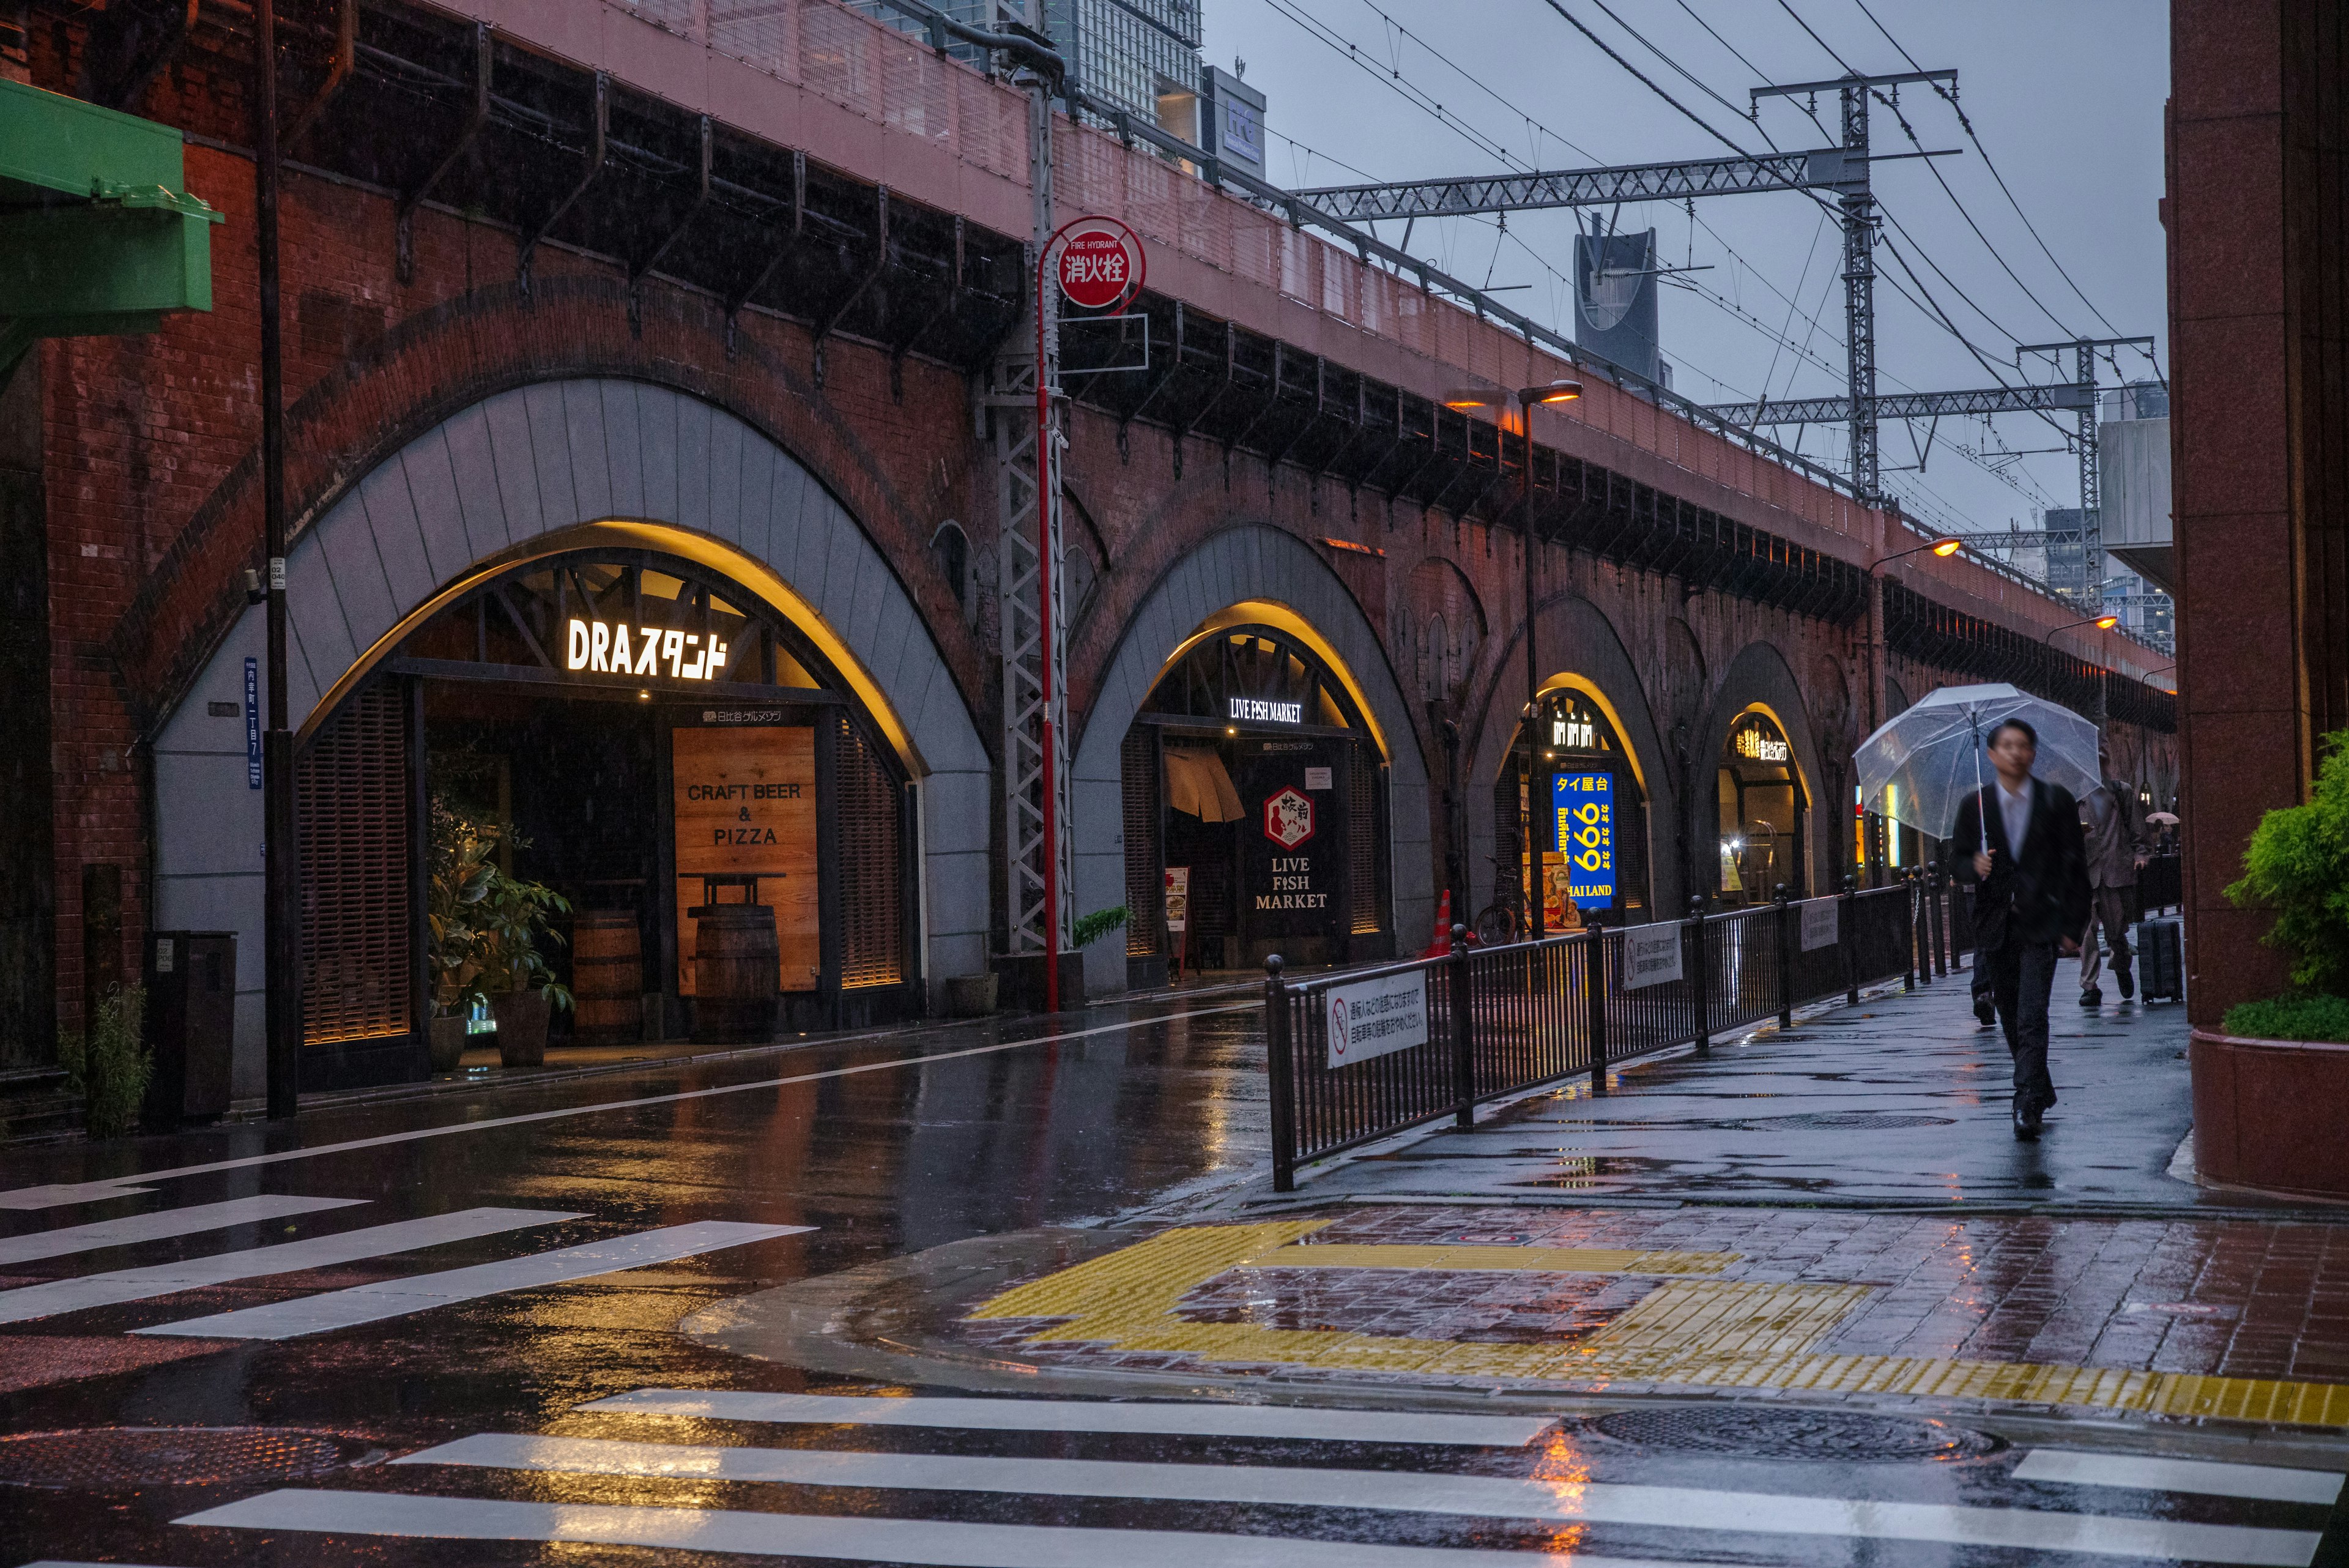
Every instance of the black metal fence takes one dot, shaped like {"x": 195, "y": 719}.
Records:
{"x": 1483, "y": 1023}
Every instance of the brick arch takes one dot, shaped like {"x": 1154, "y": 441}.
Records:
{"x": 1576, "y": 639}
{"x": 1759, "y": 674}
{"x": 532, "y": 462}
{"x": 1246, "y": 562}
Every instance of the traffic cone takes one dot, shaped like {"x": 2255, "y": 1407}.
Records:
{"x": 1441, "y": 944}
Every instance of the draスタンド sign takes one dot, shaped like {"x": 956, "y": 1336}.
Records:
{"x": 1375, "y": 1017}
{"x": 605, "y": 648}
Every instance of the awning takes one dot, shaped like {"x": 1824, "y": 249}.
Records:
{"x": 98, "y": 235}
{"x": 1198, "y": 784}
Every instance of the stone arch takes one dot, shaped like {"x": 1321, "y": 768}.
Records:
{"x": 1438, "y": 597}
{"x": 1574, "y": 638}
{"x": 1759, "y": 676}
{"x": 532, "y": 465}
{"x": 1239, "y": 564}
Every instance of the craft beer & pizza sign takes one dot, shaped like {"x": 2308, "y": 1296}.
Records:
{"x": 745, "y": 806}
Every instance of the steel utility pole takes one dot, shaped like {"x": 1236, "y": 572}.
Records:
{"x": 1857, "y": 204}
{"x": 2092, "y": 526}
{"x": 281, "y": 875}
{"x": 1025, "y": 401}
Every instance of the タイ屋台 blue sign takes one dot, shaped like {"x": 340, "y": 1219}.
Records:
{"x": 1584, "y": 833}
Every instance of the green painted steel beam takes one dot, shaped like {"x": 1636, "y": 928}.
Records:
{"x": 98, "y": 234}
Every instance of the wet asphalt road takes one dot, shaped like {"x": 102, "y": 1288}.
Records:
{"x": 737, "y": 1177}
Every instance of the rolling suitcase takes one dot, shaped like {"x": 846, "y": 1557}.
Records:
{"x": 2160, "y": 960}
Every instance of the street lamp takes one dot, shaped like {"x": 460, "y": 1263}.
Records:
{"x": 2101, "y": 622}
{"x": 1944, "y": 546}
{"x": 1498, "y": 401}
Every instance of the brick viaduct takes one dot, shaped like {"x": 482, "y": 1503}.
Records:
{"x": 1681, "y": 576}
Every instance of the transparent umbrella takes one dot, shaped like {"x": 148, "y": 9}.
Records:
{"x": 1918, "y": 766}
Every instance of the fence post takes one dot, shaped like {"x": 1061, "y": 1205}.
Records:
{"x": 1594, "y": 996}
{"x": 1463, "y": 1041}
{"x": 1699, "y": 969}
{"x": 1913, "y": 882}
{"x": 1935, "y": 890}
{"x": 1784, "y": 898}
{"x": 1848, "y": 939}
{"x": 1278, "y": 1057}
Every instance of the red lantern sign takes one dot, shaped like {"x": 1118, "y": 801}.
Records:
{"x": 1100, "y": 264}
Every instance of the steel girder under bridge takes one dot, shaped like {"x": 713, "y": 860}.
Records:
{"x": 1912, "y": 405}
{"x": 1825, "y": 169}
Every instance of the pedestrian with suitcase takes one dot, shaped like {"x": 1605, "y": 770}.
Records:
{"x": 2116, "y": 853}
{"x": 2031, "y": 866}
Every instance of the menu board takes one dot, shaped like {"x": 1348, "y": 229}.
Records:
{"x": 744, "y": 804}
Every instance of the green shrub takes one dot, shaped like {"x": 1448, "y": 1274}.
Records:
{"x": 2297, "y": 863}
{"x": 110, "y": 1067}
{"x": 1092, "y": 927}
{"x": 2291, "y": 1018}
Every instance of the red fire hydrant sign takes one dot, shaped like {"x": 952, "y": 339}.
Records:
{"x": 1100, "y": 264}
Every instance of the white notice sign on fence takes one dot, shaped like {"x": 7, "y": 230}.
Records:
{"x": 1377, "y": 1016}
{"x": 1651, "y": 954}
{"x": 1819, "y": 927}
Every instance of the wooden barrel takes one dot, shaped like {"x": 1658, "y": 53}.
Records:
{"x": 736, "y": 965}
{"x": 607, "y": 978}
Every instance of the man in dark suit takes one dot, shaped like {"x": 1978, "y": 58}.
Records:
{"x": 2031, "y": 864}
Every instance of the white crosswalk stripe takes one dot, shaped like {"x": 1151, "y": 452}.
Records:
{"x": 1085, "y": 1415}
{"x": 949, "y": 1543}
{"x": 418, "y": 1292}
{"x": 1475, "y": 1497}
{"x": 53, "y": 1296}
{"x": 161, "y": 1225}
{"x": 2272, "y": 1483}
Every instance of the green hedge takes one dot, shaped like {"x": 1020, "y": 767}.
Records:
{"x": 2291, "y": 1018}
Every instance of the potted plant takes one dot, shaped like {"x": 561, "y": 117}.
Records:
{"x": 486, "y": 928}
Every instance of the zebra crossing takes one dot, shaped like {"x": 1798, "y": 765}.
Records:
{"x": 1321, "y": 1516}
{"x": 325, "y": 1310}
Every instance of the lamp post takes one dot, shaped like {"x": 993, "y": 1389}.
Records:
{"x": 2101, "y": 623}
{"x": 1498, "y": 401}
{"x": 1945, "y": 546}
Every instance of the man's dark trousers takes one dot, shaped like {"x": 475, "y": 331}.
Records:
{"x": 2022, "y": 974}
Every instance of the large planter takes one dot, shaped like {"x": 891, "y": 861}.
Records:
{"x": 445, "y": 1037}
{"x": 521, "y": 1028}
{"x": 2266, "y": 1113}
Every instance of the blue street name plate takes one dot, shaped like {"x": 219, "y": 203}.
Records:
{"x": 253, "y": 724}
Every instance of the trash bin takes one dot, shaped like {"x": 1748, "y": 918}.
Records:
{"x": 191, "y": 1026}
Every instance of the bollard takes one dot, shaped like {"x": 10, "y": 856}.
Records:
{"x": 1594, "y": 999}
{"x": 1935, "y": 922}
{"x": 1278, "y": 1062}
{"x": 1848, "y": 939}
{"x": 1700, "y": 972}
{"x": 1911, "y": 880}
{"x": 1463, "y": 1043}
{"x": 1785, "y": 898}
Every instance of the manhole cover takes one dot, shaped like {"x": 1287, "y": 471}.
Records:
{"x": 1795, "y": 1435}
{"x": 100, "y": 1458}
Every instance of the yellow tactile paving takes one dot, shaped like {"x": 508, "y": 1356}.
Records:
{"x": 1721, "y": 1334}
{"x": 1550, "y": 1259}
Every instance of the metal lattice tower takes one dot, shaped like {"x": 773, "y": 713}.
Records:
{"x": 1859, "y": 299}
{"x": 2092, "y": 530}
{"x": 1030, "y": 557}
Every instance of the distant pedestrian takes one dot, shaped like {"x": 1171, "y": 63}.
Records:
{"x": 2031, "y": 865}
{"x": 2116, "y": 853}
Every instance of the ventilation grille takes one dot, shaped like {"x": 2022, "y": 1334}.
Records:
{"x": 872, "y": 867}
{"x": 1363, "y": 868}
{"x": 1145, "y": 882}
{"x": 351, "y": 810}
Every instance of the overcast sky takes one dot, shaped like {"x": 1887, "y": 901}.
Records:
{"x": 2065, "y": 95}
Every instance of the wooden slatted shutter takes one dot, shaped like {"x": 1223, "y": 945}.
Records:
{"x": 1366, "y": 868}
{"x": 872, "y": 865}
{"x": 1146, "y": 880}
{"x": 352, "y": 821}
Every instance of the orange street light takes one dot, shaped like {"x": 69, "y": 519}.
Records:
{"x": 1560, "y": 391}
{"x": 1944, "y": 546}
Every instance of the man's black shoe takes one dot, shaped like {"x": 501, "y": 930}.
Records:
{"x": 2092, "y": 997}
{"x": 2026, "y": 1123}
{"x": 1985, "y": 1012}
{"x": 2122, "y": 978}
